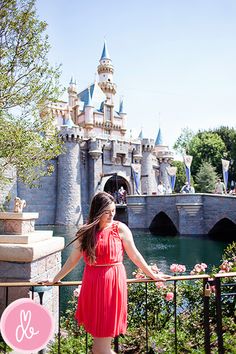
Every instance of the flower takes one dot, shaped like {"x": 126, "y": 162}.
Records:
{"x": 199, "y": 269}
{"x": 76, "y": 291}
{"x": 177, "y": 268}
{"x": 160, "y": 284}
{"x": 226, "y": 266}
{"x": 169, "y": 296}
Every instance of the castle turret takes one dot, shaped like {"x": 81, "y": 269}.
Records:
{"x": 148, "y": 169}
{"x": 72, "y": 93}
{"x": 69, "y": 179}
{"x": 88, "y": 110}
{"x": 105, "y": 72}
{"x": 123, "y": 115}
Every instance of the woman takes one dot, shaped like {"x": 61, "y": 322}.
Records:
{"x": 102, "y": 303}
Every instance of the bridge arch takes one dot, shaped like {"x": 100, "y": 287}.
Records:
{"x": 163, "y": 225}
{"x": 224, "y": 228}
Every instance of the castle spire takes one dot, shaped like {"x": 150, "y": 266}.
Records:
{"x": 105, "y": 54}
{"x": 89, "y": 103}
{"x": 105, "y": 71}
{"x": 159, "y": 139}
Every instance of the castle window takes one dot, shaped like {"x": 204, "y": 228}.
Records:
{"x": 107, "y": 113}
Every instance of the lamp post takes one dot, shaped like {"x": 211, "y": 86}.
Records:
{"x": 232, "y": 183}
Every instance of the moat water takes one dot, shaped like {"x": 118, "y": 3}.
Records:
{"x": 162, "y": 250}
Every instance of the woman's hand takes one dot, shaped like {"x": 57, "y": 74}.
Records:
{"x": 161, "y": 277}
{"x": 49, "y": 282}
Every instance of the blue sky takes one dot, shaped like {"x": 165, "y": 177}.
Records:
{"x": 174, "y": 60}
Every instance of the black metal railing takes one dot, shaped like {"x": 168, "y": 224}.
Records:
{"x": 206, "y": 280}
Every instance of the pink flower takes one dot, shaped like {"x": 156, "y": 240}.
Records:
{"x": 160, "y": 284}
{"x": 226, "y": 266}
{"x": 174, "y": 268}
{"x": 169, "y": 296}
{"x": 177, "y": 268}
{"x": 154, "y": 268}
{"x": 76, "y": 291}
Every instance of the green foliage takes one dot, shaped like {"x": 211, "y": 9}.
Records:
{"x": 27, "y": 83}
{"x": 183, "y": 141}
{"x": 208, "y": 147}
{"x": 28, "y": 147}
{"x": 26, "y": 78}
{"x": 228, "y": 135}
{"x": 180, "y": 175}
{"x": 205, "y": 178}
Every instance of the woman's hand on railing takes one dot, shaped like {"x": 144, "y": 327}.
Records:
{"x": 162, "y": 277}
{"x": 49, "y": 282}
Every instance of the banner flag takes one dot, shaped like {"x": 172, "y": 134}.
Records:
{"x": 225, "y": 170}
{"x": 171, "y": 170}
{"x": 136, "y": 171}
{"x": 188, "y": 161}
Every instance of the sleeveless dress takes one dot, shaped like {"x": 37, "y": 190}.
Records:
{"x": 102, "y": 303}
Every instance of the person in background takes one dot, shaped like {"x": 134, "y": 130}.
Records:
{"x": 160, "y": 188}
{"x": 220, "y": 187}
{"x": 102, "y": 302}
{"x": 185, "y": 188}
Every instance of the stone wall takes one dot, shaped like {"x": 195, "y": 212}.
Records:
{"x": 190, "y": 213}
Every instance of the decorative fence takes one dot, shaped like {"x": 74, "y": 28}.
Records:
{"x": 159, "y": 317}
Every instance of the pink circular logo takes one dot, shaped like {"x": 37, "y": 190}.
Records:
{"x": 26, "y": 326}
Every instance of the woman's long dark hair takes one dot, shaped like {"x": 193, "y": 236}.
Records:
{"x": 87, "y": 233}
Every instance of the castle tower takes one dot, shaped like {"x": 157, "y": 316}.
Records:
{"x": 72, "y": 93}
{"x": 123, "y": 115}
{"x": 164, "y": 156}
{"x": 88, "y": 110}
{"x": 68, "y": 210}
{"x": 105, "y": 71}
{"x": 148, "y": 167}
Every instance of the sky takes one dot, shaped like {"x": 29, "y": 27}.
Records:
{"x": 174, "y": 60}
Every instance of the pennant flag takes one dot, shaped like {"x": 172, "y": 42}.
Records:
{"x": 225, "y": 170}
{"x": 136, "y": 171}
{"x": 188, "y": 161}
{"x": 171, "y": 170}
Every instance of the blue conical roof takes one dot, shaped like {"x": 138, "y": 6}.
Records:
{"x": 121, "y": 109}
{"x": 159, "y": 139}
{"x": 89, "y": 104}
{"x": 105, "y": 54}
{"x": 141, "y": 134}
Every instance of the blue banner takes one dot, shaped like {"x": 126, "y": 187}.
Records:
{"x": 136, "y": 172}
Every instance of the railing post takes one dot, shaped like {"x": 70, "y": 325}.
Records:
{"x": 146, "y": 316}
{"x": 116, "y": 344}
{"x": 219, "y": 317}
{"x": 175, "y": 317}
{"x": 40, "y": 291}
{"x": 206, "y": 298}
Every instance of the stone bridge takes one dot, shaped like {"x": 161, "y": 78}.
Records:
{"x": 183, "y": 214}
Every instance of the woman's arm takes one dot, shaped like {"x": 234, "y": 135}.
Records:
{"x": 70, "y": 264}
{"x": 135, "y": 255}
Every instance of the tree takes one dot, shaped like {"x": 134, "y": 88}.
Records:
{"x": 206, "y": 146}
{"x": 180, "y": 175}
{"x": 27, "y": 83}
{"x": 228, "y": 135}
{"x": 26, "y": 77}
{"x": 27, "y": 146}
{"x": 205, "y": 178}
{"x": 182, "y": 143}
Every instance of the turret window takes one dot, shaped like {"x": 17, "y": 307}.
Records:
{"x": 107, "y": 113}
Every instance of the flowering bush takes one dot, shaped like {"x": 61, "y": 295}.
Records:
{"x": 157, "y": 299}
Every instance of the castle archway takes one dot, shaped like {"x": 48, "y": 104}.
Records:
{"x": 114, "y": 183}
{"x": 163, "y": 225}
{"x": 224, "y": 228}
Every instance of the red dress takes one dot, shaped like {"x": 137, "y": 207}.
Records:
{"x": 102, "y": 303}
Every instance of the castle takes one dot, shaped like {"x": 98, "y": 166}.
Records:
{"x": 98, "y": 154}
